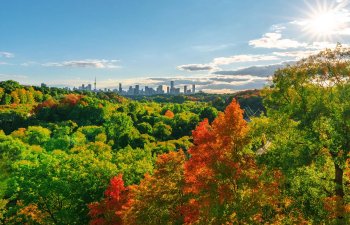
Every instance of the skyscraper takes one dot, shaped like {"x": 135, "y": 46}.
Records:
{"x": 137, "y": 89}
{"x": 185, "y": 89}
{"x": 193, "y": 88}
{"x": 172, "y": 87}
{"x": 120, "y": 88}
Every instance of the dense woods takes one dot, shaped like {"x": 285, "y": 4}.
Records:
{"x": 275, "y": 156}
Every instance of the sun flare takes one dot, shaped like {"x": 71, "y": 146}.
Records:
{"x": 326, "y": 20}
{"x": 323, "y": 23}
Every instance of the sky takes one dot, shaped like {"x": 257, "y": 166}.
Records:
{"x": 220, "y": 45}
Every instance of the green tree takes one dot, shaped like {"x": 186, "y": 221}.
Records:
{"x": 60, "y": 184}
{"x": 134, "y": 163}
{"x": 209, "y": 113}
{"x": 10, "y": 85}
{"x": 184, "y": 123}
{"x": 6, "y": 100}
{"x": 162, "y": 131}
{"x": 145, "y": 128}
{"x": 37, "y": 135}
{"x": 120, "y": 129}
{"x": 314, "y": 93}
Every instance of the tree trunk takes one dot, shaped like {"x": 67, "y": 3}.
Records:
{"x": 339, "y": 192}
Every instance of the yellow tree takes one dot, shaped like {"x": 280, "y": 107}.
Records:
{"x": 159, "y": 198}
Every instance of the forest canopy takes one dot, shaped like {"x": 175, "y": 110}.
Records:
{"x": 275, "y": 156}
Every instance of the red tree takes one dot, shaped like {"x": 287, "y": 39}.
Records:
{"x": 108, "y": 211}
{"x": 222, "y": 178}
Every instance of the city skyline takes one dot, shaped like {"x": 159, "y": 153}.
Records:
{"x": 221, "y": 45}
{"x": 138, "y": 90}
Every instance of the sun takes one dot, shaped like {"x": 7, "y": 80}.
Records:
{"x": 323, "y": 23}
{"x": 326, "y": 19}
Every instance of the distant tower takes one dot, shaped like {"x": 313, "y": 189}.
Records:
{"x": 193, "y": 88}
{"x": 95, "y": 85}
{"x": 120, "y": 88}
{"x": 172, "y": 87}
{"x": 185, "y": 89}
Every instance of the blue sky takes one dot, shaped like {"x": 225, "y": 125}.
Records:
{"x": 207, "y": 42}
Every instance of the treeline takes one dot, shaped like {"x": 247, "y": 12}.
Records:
{"x": 80, "y": 159}
{"x": 11, "y": 92}
{"x": 250, "y": 100}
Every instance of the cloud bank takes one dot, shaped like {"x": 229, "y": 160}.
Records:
{"x": 196, "y": 67}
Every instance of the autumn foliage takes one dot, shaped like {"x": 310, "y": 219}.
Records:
{"x": 49, "y": 103}
{"x": 108, "y": 210}
{"x": 159, "y": 197}
{"x": 71, "y": 99}
{"x": 220, "y": 183}
{"x": 169, "y": 114}
{"x": 222, "y": 177}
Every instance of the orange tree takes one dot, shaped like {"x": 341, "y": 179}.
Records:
{"x": 223, "y": 181}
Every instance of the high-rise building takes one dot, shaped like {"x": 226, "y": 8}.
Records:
{"x": 168, "y": 90}
{"x": 185, "y": 89}
{"x": 130, "y": 91}
{"x": 160, "y": 89}
{"x": 193, "y": 88}
{"x": 137, "y": 89}
{"x": 95, "y": 85}
{"x": 120, "y": 88}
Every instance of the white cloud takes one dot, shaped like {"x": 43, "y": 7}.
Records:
{"x": 274, "y": 40}
{"x": 278, "y": 27}
{"x": 7, "y": 54}
{"x": 243, "y": 58}
{"x": 88, "y": 63}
